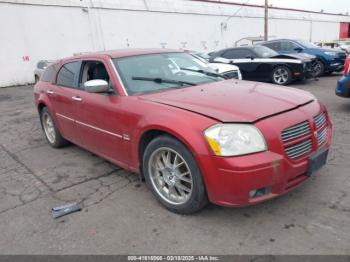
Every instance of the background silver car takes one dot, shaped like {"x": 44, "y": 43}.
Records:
{"x": 40, "y": 68}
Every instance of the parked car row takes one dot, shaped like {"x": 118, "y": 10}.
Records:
{"x": 282, "y": 61}
{"x": 259, "y": 63}
{"x": 192, "y": 134}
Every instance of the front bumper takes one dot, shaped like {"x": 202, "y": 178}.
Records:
{"x": 230, "y": 180}
{"x": 336, "y": 64}
{"x": 336, "y": 67}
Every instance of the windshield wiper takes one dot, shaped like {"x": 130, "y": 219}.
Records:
{"x": 159, "y": 80}
{"x": 204, "y": 72}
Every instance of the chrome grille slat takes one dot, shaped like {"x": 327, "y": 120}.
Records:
{"x": 298, "y": 146}
{"x": 299, "y": 154}
{"x": 322, "y": 136}
{"x": 293, "y": 128}
{"x": 296, "y": 131}
{"x": 286, "y": 133}
{"x": 303, "y": 131}
{"x": 295, "y": 135}
{"x": 320, "y": 120}
{"x": 299, "y": 149}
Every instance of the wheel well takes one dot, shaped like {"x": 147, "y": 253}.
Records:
{"x": 146, "y": 138}
{"x": 281, "y": 65}
{"x": 40, "y": 107}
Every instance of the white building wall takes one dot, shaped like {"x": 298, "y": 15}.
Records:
{"x": 37, "y": 29}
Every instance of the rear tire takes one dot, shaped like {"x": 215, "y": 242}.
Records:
{"x": 52, "y": 134}
{"x": 173, "y": 176}
{"x": 281, "y": 75}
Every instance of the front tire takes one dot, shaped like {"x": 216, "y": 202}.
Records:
{"x": 52, "y": 134}
{"x": 173, "y": 176}
{"x": 319, "y": 68}
{"x": 281, "y": 75}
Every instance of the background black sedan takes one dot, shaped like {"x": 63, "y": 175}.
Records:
{"x": 260, "y": 63}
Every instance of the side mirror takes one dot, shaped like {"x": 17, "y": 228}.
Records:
{"x": 96, "y": 86}
{"x": 298, "y": 49}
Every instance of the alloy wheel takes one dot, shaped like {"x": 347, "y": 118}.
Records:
{"x": 281, "y": 76}
{"x": 170, "y": 176}
{"x": 49, "y": 127}
{"x": 318, "y": 68}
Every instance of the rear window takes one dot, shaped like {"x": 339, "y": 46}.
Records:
{"x": 48, "y": 73}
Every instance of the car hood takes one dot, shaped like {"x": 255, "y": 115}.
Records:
{"x": 323, "y": 50}
{"x": 233, "y": 101}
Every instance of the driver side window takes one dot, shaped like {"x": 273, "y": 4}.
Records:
{"x": 94, "y": 70}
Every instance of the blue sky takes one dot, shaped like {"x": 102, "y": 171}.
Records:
{"x": 332, "y": 6}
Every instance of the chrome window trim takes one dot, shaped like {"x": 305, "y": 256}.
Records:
{"x": 118, "y": 76}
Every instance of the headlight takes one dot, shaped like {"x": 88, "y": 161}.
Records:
{"x": 235, "y": 139}
{"x": 331, "y": 53}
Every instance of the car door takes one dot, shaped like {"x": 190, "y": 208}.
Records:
{"x": 64, "y": 99}
{"x": 244, "y": 59}
{"x": 100, "y": 121}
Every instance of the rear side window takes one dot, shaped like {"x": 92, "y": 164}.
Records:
{"x": 288, "y": 46}
{"x": 48, "y": 73}
{"x": 274, "y": 45}
{"x": 68, "y": 75}
{"x": 237, "y": 54}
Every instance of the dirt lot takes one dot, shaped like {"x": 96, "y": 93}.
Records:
{"x": 121, "y": 216}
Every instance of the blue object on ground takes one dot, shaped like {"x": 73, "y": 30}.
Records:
{"x": 65, "y": 210}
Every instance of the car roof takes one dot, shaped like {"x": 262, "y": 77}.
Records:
{"x": 125, "y": 52}
{"x": 281, "y": 39}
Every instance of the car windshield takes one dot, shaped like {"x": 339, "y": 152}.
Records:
{"x": 307, "y": 44}
{"x": 159, "y": 72}
{"x": 263, "y": 51}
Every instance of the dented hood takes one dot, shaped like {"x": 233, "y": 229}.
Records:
{"x": 233, "y": 101}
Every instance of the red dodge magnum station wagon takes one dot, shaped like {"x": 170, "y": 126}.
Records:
{"x": 193, "y": 135}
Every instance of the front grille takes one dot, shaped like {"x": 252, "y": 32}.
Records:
{"x": 298, "y": 139}
{"x": 299, "y": 149}
{"x": 296, "y": 131}
{"x": 322, "y": 136}
{"x": 320, "y": 120}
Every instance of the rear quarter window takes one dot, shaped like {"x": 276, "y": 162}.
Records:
{"x": 68, "y": 75}
{"x": 48, "y": 73}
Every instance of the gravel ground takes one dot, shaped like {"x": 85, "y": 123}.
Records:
{"x": 120, "y": 216}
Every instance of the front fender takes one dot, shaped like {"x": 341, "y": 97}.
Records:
{"x": 185, "y": 126}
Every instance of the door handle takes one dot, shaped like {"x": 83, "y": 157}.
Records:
{"x": 77, "y": 98}
{"x": 50, "y": 92}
